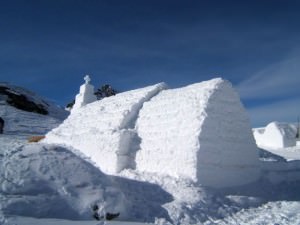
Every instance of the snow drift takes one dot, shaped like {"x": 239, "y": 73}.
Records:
{"x": 200, "y": 132}
{"x": 38, "y": 180}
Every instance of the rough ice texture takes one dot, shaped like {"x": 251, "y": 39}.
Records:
{"x": 200, "y": 132}
{"x": 276, "y": 135}
{"x": 104, "y": 130}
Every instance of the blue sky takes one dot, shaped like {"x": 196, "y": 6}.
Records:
{"x": 48, "y": 46}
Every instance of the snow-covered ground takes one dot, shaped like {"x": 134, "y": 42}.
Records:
{"x": 44, "y": 183}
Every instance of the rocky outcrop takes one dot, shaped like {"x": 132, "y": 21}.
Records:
{"x": 20, "y": 101}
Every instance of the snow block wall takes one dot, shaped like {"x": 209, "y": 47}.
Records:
{"x": 201, "y": 132}
{"x": 276, "y": 135}
{"x": 104, "y": 130}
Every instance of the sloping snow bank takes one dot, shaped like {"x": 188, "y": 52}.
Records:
{"x": 25, "y": 123}
{"x": 200, "y": 132}
{"x": 276, "y": 135}
{"x": 103, "y": 130}
{"x": 52, "y": 109}
{"x": 47, "y": 181}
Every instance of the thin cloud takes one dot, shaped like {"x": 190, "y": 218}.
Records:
{"x": 277, "y": 80}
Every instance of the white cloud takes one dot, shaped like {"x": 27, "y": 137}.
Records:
{"x": 277, "y": 80}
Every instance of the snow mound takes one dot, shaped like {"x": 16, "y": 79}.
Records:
{"x": 38, "y": 181}
{"x": 276, "y": 135}
{"x": 201, "y": 132}
{"x": 104, "y": 130}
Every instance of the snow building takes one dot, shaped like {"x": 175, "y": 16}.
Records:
{"x": 276, "y": 135}
{"x": 86, "y": 94}
{"x": 199, "y": 132}
{"x": 104, "y": 130}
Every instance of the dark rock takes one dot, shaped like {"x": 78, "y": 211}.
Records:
{"x": 20, "y": 101}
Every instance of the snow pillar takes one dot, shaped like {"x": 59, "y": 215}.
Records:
{"x": 86, "y": 94}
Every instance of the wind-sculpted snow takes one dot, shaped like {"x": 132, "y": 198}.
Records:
{"x": 48, "y": 181}
{"x": 103, "y": 130}
{"x": 200, "y": 132}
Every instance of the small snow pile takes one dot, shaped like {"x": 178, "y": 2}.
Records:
{"x": 104, "y": 130}
{"x": 86, "y": 94}
{"x": 201, "y": 132}
{"x": 276, "y": 135}
{"x": 38, "y": 181}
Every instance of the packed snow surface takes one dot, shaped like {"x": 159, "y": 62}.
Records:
{"x": 103, "y": 130}
{"x": 39, "y": 181}
{"x": 276, "y": 135}
{"x": 200, "y": 132}
{"x": 54, "y": 184}
{"x": 280, "y": 139}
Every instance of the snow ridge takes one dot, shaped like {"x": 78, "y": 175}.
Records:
{"x": 129, "y": 139}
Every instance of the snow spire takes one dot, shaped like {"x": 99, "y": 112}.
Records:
{"x": 86, "y": 94}
{"x": 87, "y": 79}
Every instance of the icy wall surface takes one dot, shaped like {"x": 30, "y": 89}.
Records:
{"x": 103, "y": 130}
{"x": 200, "y": 132}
